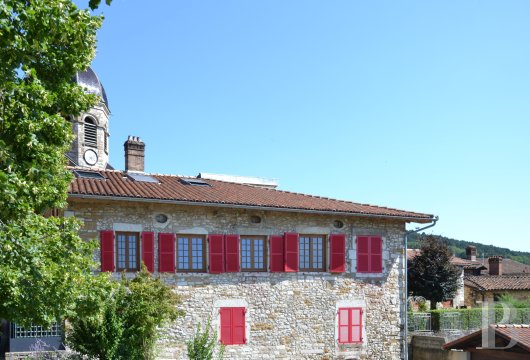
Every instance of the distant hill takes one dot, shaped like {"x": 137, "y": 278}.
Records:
{"x": 459, "y": 248}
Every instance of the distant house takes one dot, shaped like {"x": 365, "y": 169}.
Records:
{"x": 482, "y": 280}
{"x": 514, "y": 338}
{"x": 497, "y": 281}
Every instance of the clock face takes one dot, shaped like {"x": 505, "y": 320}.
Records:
{"x": 90, "y": 156}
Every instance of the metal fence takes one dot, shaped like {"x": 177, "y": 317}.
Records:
{"x": 420, "y": 322}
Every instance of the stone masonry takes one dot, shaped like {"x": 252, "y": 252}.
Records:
{"x": 289, "y": 315}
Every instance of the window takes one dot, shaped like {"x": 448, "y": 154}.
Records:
{"x": 350, "y": 325}
{"x": 253, "y": 253}
{"x": 369, "y": 254}
{"x": 312, "y": 253}
{"x": 91, "y": 133}
{"x": 233, "y": 325}
{"x": 127, "y": 248}
{"x": 191, "y": 253}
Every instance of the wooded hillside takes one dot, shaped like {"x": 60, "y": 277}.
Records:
{"x": 459, "y": 248}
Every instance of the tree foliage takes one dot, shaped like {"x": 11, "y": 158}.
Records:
{"x": 45, "y": 267}
{"x": 431, "y": 274}
{"x": 127, "y": 326}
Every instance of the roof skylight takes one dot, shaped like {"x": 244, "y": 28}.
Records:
{"x": 89, "y": 174}
{"x": 194, "y": 182}
{"x": 142, "y": 177}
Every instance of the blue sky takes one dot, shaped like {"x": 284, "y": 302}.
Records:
{"x": 417, "y": 105}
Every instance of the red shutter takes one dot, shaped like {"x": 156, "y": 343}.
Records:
{"x": 276, "y": 258}
{"x": 106, "y": 238}
{"x": 337, "y": 258}
{"x": 148, "y": 250}
{"x": 226, "y": 325}
{"x": 291, "y": 252}
{"x": 350, "y": 325}
{"x": 363, "y": 254}
{"x": 216, "y": 247}
{"x": 238, "y": 326}
{"x": 231, "y": 253}
{"x": 376, "y": 254}
{"x": 166, "y": 252}
{"x": 344, "y": 319}
{"x": 356, "y": 329}
{"x": 233, "y": 326}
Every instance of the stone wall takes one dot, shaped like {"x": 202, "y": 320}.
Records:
{"x": 289, "y": 315}
{"x": 430, "y": 348}
{"x": 472, "y": 295}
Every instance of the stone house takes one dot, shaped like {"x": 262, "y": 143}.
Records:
{"x": 282, "y": 275}
{"x": 488, "y": 286}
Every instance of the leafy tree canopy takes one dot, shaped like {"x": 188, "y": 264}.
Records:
{"x": 431, "y": 274}
{"x": 45, "y": 268}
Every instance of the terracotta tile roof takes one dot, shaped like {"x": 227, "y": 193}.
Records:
{"x": 510, "y": 266}
{"x": 170, "y": 188}
{"x": 467, "y": 264}
{"x": 519, "y": 333}
{"x": 498, "y": 282}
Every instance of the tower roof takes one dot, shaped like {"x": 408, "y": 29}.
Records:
{"x": 90, "y": 81}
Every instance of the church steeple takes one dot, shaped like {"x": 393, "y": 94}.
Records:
{"x": 91, "y": 129}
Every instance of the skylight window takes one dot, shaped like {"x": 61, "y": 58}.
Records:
{"x": 142, "y": 177}
{"x": 194, "y": 182}
{"x": 89, "y": 175}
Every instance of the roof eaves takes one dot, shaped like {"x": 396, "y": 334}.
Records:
{"x": 419, "y": 219}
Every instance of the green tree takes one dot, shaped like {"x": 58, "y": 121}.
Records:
{"x": 431, "y": 274}
{"x": 45, "y": 267}
{"x": 127, "y": 326}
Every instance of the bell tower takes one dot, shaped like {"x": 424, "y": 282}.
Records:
{"x": 90, "y": 148}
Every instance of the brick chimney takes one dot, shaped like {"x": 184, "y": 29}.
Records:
{"x": 495, "y": 264}
{"x": 134, "y": 154}
{"x": 471, "y": 252}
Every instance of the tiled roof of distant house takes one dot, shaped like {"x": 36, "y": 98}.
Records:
{"x": 498, "y": 282}
{"x": 519, "y": 333}
{"x": 173, "y": 189}
{"x": 467, "y": 264}
{"x": 510, "y": 266}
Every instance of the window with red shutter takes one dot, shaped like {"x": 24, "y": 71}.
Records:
{"x": 369, "y": 254}
{"x": 291, "y": 252}
{"x": 337, "y": 257}
{"x": 107, "y": 250}
{"x": 216, "y": 253}
{"x": 166, "y": 252}
{"x": 233, "y": 325}
{"x": 277, "y": 254}
{"x": 232, "y": 253}
{"x": 350, "y": 325}
{"x": 148, "y": 250}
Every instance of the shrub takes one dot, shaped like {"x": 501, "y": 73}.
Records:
{"x": 126, "y": 327}
{"x": 202, "y": 345}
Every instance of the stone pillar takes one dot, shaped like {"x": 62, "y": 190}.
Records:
{"x": 495, "y": 264}
{"x": 471, "y": 252}
{"x": 134, "y": 154}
